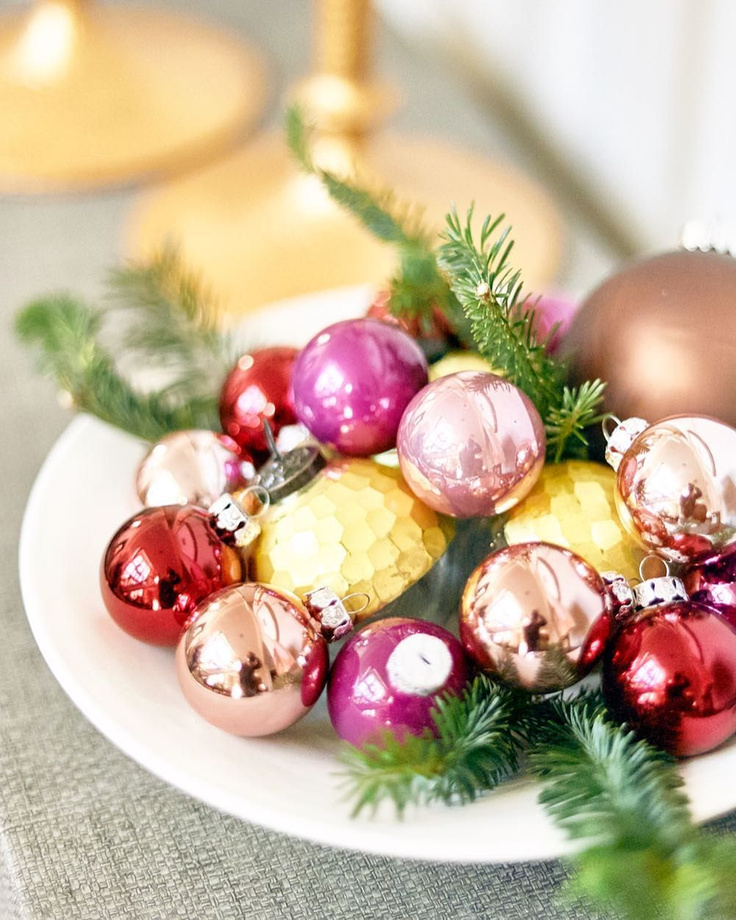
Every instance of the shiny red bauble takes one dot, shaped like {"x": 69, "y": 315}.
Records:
{"x": 256, "y": 390}
{"x": 670, "y": 673}
{"x": 159, "y": 565}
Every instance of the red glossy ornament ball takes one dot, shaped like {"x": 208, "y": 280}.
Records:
{"x": 159, "y": 565}
{"x": 258, "y": 389}
{"x": 671, "y": 674}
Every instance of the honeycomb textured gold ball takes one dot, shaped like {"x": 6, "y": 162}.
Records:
{"x": 572, "y": 504}
{"x": 355, "y": 527}
{"x": 455, "y": 361}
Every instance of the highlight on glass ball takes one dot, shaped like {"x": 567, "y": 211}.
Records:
{"x": 471, "y": 445}
{"x": 670, "y": 670}
{"x": 676, "y": 484}
{"x": 536, "y": 616}
{"x": 258, "y": 390}
{"x": 253, "y": 661}
{"x": 159, "y": 565}
{"x": 192, "y": 467}
{"x": 389, "y": 676}
{"x": 352, "y": 383}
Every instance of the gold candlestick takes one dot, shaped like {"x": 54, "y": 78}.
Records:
{"x": 259, "y": 231}
{"x": 91, "y": 95}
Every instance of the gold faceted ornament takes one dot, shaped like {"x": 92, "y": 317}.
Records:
{"x": 573, "y": 505}
{"x": 355, "y": 527}
{"x": 455, "y": 361}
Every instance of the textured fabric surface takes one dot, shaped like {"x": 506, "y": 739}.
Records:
{"x": 86, "y": 834}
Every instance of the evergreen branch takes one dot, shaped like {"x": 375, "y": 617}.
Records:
{"x": 378, "y": 211}
{"x": 418, "y": 287}
{"x": 623, "y": 799}
{"x": 565, "y": 425}
{"x": 66, "y": 333}
{"x": 172, "y": 321}
{"x": 475, "y": 745}
{"x": 489, "y": 292}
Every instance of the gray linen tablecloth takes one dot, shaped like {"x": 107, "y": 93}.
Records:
{"x": 86, "y": 834}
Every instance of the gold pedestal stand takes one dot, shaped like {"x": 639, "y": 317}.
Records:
{"x": 258, "y": 230}
{"x": 91, "y": 95}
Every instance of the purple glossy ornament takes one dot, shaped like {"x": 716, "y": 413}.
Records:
{"x": 389, "y": 675}
{"x": 471, "y": 445}
{"x": 550, "y": 311}
{"x": 713, "y": 582}
{"x": 192, "y": 467}
{"x": 352, "y": 383}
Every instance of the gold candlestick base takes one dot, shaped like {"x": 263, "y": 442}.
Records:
{"x": 95, "y": 95}
{"x": 258, "y": 230}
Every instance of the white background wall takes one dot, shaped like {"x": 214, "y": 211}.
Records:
{"x": 639, "y": 94}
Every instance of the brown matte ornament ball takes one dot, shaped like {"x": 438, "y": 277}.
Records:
{"x": 662, "y": 333}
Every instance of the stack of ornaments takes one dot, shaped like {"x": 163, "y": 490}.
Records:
{"x": 334, "y": 487}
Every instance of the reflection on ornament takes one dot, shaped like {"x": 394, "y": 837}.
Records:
{"x": 253, "y": 661}
{"x": 676, "y": 486}
{"x": 159, "y": 565}
{"x": 712, "y": 582}
{"x": 471, "y": 445}
{"x": 352, "y": 382}
{"x": 258, "y": 390}
{"x": 573, "y": 505}
{"x": 670, "y": 673}
{"x": 389, "y": 675}
{"x": 354, "y": 526}
{"x": 535, "y": 615}
{"x": 191, "y": 467}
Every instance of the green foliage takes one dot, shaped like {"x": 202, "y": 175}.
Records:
{"x": 476, "y": 745}
{"x": 577, "y": 410}
{"x": 162, "y": 320}
{"x": 66, "y": 334}
{"x": 418, "y": 287}
{"x": 623, "y": 800}
{"x": 489, "y": 290}
{"x": 170, "y": 323}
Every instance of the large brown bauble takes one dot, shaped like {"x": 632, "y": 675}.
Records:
{"x": 662, "y": 332}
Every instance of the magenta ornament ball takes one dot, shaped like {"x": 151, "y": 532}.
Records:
{"x": 352, "y": 383}
{"x": 471, "y": 445}
{"x": 389, "y": 676}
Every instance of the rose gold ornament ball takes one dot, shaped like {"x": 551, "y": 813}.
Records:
{"x": 471, "y": 445}
{"x": 535, "y": 615}
{"x": 661, "y": 333}
{"x": 676, "y": 488}
{"x": 252, "y": 662}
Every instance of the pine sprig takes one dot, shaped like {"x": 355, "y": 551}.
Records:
{"x": 418, "y": 287}
{"x": 476, "y": 745}
{"x": 489, "y": 291}
{"x": 566, "y": 423}
{"x": 171, "y": 322}
{"x": 622, "y": 798}
{"x": 66, "y": 333}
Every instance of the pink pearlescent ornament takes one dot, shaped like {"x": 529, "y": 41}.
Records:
{"x": 352, "y": 383}
{"x": 471, "y": 445}
{"x": 389, "y": 676}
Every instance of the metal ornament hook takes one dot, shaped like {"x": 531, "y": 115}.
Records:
{"x": 330, "y": 612}
{"x": 232, "y": 523}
